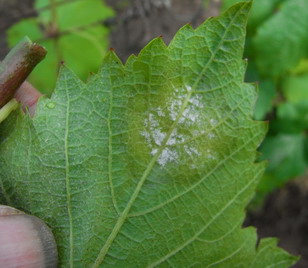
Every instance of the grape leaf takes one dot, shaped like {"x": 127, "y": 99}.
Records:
{"x": 148, "y": 164}
{"x": 286, "y": 155}
{"x": 295, "y": 88}
{"x": 285, "y": 36}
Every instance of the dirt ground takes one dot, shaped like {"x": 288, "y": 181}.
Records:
{"x": 10, "y": 12}
{"x": 144, "y": 20}
{"x": 285, "y": 212}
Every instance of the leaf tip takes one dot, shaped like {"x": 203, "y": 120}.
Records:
{"x": 241, "y": 6}
{"x": 111, "y": 58}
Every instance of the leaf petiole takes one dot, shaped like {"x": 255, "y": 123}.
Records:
{"x": 7, "y": 109}
{"x": 16, "y": 67}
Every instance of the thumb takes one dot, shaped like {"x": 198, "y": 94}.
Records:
{"x": 25, "y": 241}
{"x": 28, "y": 96}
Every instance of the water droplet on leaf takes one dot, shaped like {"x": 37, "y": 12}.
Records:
{"x": 51, "y": 105}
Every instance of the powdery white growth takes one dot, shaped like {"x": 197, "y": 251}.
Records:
{"x": 167, "y": 155}
{"x": 211, "y": 135}
{"x": 160, "y": 120}
{"x": 213, "y": 122}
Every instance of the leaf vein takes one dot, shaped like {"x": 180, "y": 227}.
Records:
{"x": 110, "y": 153}
{"x": 67, "y": 179}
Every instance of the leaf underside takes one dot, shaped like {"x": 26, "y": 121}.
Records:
{"x": 148, "y": 164}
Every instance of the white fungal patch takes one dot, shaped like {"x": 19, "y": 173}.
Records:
{"x": 192, "y": 113}
{"x": 174, "y": 109}
{"x": 210, "y": 155}
{"x": 154, "y": 151}
{"x": 211, "y": 135}
{"x": 189, "y": 88}
{"x": 213, "y": 122}
{"x": 166, "y": 156}
{"x": 193, "y": 166}
{"x": 197, "y": 101}
{"x": 160, "y": 112}
{"x": 191, "y": 151}
{"x": 191, "y": 118}
{"x": 158, "y": 136}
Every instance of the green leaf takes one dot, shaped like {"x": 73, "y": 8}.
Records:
{"x": 295, "y": 88}
{"x": 148, "y": 164}
{"x": 81, "y": 42}
{"x": 301, "y": 68}
{"x": 282, "y": 40}
{"x": 286, "y": 156}
{"x": 291, "y": 118}
{"x": 75, "y": 13}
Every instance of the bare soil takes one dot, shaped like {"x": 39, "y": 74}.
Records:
{"x": 142, "y": 20}
{"x": 12, "y": 11}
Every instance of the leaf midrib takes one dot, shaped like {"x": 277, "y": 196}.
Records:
{"x": 67, "y": 179}
{"x": 151, "y": 164}
{"x": 110, "y": 159}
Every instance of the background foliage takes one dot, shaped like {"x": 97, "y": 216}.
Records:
{"x": 71, "y": 31}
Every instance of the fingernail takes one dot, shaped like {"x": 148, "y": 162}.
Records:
{"x": 25, "y": 241}
{"x": 6, "y": 211}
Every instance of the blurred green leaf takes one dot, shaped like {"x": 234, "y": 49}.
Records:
{"x": 295, "y": 88}
{"x": 80, "y": 40}
{"x": 306, "y": 149}
{"x": 282, "y": 40}
{"x": 291, "y": 118}
{"x": 286, "y": 157}
{"x": 74, "y": 13}
{"x": 301, "y": 68}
